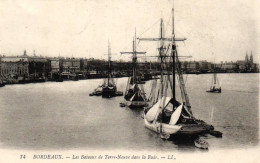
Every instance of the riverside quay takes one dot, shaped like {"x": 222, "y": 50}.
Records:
{"x": 26, "y": 69}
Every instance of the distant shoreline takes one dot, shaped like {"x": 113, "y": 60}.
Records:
{"x": 29, "y": 82}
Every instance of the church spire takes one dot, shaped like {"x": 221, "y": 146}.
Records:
{"x": 246, "y": 59}
{"x": 251, "y": 57}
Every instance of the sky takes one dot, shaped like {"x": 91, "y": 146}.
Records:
{"x": 216, "y": 30}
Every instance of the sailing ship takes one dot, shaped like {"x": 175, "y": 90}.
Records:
{"x": 166, "y": 115}
{"x": 108, "y": 88}
{"x": 215, "y": 86}
{"x": 134, "y": 94}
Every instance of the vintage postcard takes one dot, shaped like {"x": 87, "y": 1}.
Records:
{"x": 123, "y": 81}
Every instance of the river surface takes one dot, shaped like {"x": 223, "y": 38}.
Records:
{"x": 62, "y": 115}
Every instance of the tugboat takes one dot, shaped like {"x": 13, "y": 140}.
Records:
{"x": 134, "y": 94}
{"x": 166, "y": 115}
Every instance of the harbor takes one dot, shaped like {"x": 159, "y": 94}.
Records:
{"x": 129, "y": 80}
{"x": 61, "y": 115}
{"x": 25, "y": 68}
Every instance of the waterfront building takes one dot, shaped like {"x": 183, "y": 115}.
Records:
{"x": 55, "y": 67}
{"x": 39, "y": 67}
{"x": 71, "y": 65}
{"x": 83, "y": 68}
{"x": 242, "y": 65}
{"x": 211, "y": 66}
{"x": 204, "y": 66}
{"x": 13, "y": 67}
{"x": 75, "y": 65}
{"x": 83, "y": 64}
{"x": 229, "y": 67}
{"x": 247, "y": 65}
{"x": 192, "y": 66}
{"x": 66, "y": 64}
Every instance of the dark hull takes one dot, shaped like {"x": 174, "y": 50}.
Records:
{"x": 59, "y": 80}
{"x": 31, "y": 81}
{"x": 108, "y": 92}
{"x": 136, "y": 104}
{"x": 192, "y": 129}
{"x": 214, "y": 91}
{"x": 96, "y": 93}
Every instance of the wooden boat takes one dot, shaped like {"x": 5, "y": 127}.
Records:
{"x": 134, "y": 94}
{"x": 215, "y": 86}
{"x": 108, "y": 89}
{"x": 202, "y": 144}
{"x": 169, "y": 122}
{"x": 122, "y": 104}
{"x": 166, "y": 115}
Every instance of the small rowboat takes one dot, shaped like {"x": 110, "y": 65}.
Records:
{"x": 122, "y": 104}
{"x": 202, "y": 144}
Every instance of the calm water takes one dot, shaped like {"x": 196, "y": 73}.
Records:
{"x": 62, "y": 116}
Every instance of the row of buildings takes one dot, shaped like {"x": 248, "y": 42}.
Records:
{"x": 244, "y": 66}
{"x": 36, "y": 68}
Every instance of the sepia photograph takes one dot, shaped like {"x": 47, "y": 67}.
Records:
{"x": 124, "y": 81}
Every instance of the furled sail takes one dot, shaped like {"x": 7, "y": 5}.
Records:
{"x": 176, "y": 115}
{"x": 151, "y": 114}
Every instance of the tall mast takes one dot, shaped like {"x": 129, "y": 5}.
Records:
{"x": 134, "y": 59}
{"x": 173, "y": 57}
{"x": 215, "y": 75}
{"x": 162, "y": 54}
{"x": 182, "y": 84}
{"x": 109, "y": 63}
{"x": 162, "y": 58}
{"x": 214, "y": 78}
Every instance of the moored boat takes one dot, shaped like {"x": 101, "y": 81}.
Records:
{"x": 202, "y": 144}
{"x": 166, "y": 115}
{"x": 134, "y": 94}
{"x": 215, "y": 86}
{"x": 108, "y": 89}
